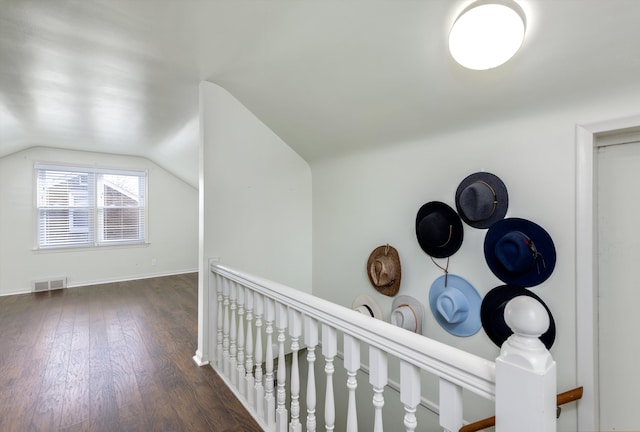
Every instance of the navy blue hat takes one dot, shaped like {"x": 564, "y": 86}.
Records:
{"x": 519, "y": 252}
{"x": 492, "y": 314}
{"x": 439, "y": 229}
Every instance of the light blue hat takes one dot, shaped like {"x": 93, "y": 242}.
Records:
{"x": 456, "y": 306}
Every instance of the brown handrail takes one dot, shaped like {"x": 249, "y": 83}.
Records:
{"x": 561, "y": 399}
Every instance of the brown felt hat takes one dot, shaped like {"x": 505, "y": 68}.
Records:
{"x": 383, "y": 269}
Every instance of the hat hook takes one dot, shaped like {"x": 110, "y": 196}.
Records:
{"x": 386, "y": 249}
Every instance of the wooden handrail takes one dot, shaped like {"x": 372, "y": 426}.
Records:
{"x": 561, "y": 399}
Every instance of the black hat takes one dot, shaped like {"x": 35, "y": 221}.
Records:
{"x": 519, "y": 252}
{"x": 492, "y": 314}
{"x": 439, "y": 229}
{"x": 482, "y": 199}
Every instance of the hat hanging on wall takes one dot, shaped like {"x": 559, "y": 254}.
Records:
{"x": 519, "y": 252}
{"x": 455, "y": 305}
{"x": 439, "y": 229}
{"x": 408, "y": 313}
{"x": 482, "y": 199}
{"x": 383, "y": 269}
{"x": 492, "y": 314}
{"x": 366, "y": 305}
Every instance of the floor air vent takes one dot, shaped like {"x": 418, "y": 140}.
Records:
{"x": 50, "y": 284}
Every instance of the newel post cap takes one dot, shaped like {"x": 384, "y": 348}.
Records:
{"x": 528, "y": 319}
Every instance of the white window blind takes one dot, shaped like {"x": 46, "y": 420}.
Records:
{"x": 85, "y": 207}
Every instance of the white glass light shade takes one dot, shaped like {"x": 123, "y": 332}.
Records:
{"x": 487, "y": 34}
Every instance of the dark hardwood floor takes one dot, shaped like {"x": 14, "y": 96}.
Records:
{"x": 112, "y": 357}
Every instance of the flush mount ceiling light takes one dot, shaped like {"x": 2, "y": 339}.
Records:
{"x": 487, "y": 33}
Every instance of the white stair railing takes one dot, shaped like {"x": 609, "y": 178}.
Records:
{"x": 248, "y": 305}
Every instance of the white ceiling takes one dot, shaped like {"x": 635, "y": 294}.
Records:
{"x": 328, "y": 76}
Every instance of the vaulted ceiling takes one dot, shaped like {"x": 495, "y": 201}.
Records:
{"x": 328, "y": 76}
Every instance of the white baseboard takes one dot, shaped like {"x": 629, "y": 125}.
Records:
{"x": 105, "y": 281}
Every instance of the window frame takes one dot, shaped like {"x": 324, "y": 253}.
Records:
{"x": 96, "y": 211}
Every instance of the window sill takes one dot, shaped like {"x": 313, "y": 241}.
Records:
{"x": 91, "y": 248}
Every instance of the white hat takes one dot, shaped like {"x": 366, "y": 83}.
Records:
{"x": 407, "y": 312}
{"x": 366, "y": 305}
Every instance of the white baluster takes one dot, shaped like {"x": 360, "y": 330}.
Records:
{"x": 281, "y": 409}
{"x": 378, "y": 380}
{"x": 525, "y": 363}
{"x": 450, "y": 406}
{"x": 352, "y": 364}
{"x": 225, "y": 341}
{"x": 233, "y": 347}
{"x": 311, "y": 341}
{"x": 258, "y": 388}
{"x": 220, "y": 317}
{"x": 329, "y": 350}
{"x": 248, "y": 378}
{"x": 410, "y": 393}
{"x": 269, "y": 399}
{"x": 241, "y": 318}
{"x": 295, "y": 330}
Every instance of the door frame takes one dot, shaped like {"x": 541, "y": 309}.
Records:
{"x": 587, "y": 264}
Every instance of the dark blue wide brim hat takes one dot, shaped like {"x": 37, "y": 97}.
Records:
{"x": 519, "y": 252}
{"x": 492, "y": 314}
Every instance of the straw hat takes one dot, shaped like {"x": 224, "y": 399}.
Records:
{"x": 383, "y": 270}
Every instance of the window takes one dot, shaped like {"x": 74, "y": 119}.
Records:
{"x": 84, "y": 207}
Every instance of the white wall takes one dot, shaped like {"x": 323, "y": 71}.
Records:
{"x": 257, "y": 194}
{"x": 255, "y": 199}
{"x": 369, "y": 199}
{"x": 172, "y": 203}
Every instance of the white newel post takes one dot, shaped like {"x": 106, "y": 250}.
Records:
{"x": 269, "y": 399}
{"x": 295, "y": 330}
{"x": 248, "y": 379}
{"x": 311, "y": 341}
{"x": 409, "y": 393}
{"x": 240, "y": 365}
{"x": 378, "y": 379}
{"x": 329, "y": 350}
{"x": 525, "y": 372}
{"x": 352, "y": 364}
{"x": 258, "y": 388}
{"x": 281, "y": 410}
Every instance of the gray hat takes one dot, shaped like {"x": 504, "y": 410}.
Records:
{"x": 482, "y": 199}
{"x": 407, "y": 312}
